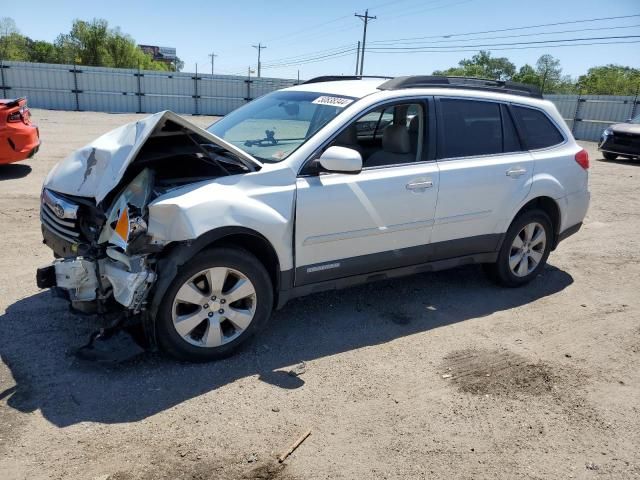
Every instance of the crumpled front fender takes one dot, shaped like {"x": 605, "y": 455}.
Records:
{"x": 190, "y": 212}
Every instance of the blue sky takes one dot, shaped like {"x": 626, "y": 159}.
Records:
{"x": 296, "y": 28}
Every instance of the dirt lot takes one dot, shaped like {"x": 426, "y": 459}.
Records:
{"x": 437, "y": 376}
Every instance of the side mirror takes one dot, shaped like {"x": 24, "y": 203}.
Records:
{"x": 341, "y": 160}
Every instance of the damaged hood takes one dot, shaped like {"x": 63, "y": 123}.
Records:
{"x": 95, "y": 169}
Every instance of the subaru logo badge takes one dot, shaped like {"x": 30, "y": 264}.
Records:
{"x": 58, "y": 210}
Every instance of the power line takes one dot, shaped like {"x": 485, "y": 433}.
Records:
{"x": 342, "y": 53}
{"x": 509, "y": 36}
{"x": 380, "y": 45}
{"x": 313, "y": 53}
{"x": 365, "y": 18}
{"x": 412, "y": 49}
{"x": 306, "y": 30}
{"x": 420, "y": 10}
{"x": 462, "y": 50}
{"x": 449, "y": 35}
{"x": 310, "y": 59}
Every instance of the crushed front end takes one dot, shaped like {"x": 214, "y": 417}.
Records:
{"x": 101, "y": 265}
{"x": 95, "y": 210}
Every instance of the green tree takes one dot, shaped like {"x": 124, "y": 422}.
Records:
{"x": 42, "y": 52}
{"x": 124, "y": 53}
{"x": 91, "y": 40}
{"x": 527, "y": 74}
{"x": 482, "y": 65}
{"x": 610, "y": 80}
{"x": 178, "y": 65}
{"x": 549, "y": 71}
{"x": 13, "y": 46}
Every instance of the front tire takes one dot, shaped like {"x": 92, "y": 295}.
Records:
{"x": 218, "y": 301}
{"x": 524, "y": 251}
{"x": 609, "y": 156}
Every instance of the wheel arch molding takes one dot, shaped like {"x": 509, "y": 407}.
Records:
{"x": 178, "y": 253}
{"x": 549, "y": 206}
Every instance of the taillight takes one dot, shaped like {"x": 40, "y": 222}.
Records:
{"x": 26, "y": 114}
{"x": 582, "y": 157}
{"x": 14, "y": 117}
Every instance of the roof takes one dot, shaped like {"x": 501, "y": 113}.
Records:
{"x": 348, "y": 88}
{"x": 361, "y": 87}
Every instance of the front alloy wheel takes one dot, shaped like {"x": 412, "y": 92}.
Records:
{"x": 216, "y": 302}
{"x": 214, "y": 307}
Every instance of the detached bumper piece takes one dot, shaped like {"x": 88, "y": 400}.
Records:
{"x": 46, "y": 277}
{"x": 126, "y": 279}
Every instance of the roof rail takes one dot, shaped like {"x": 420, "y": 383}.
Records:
{"x": 470, "y": 83}
{"x": 336, "y": 78}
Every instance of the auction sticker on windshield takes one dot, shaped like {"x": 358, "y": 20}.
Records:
{"x": 333, "y": 101}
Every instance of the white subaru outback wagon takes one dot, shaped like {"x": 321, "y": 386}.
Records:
{"x": 200, "y": 234}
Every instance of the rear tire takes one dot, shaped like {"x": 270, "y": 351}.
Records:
{"x": 217, "y": 301}
{"x": 609, "y": 156}
{"x": 525, "y": 249}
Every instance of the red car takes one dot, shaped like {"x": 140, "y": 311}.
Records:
{"x": 19, "y": 139}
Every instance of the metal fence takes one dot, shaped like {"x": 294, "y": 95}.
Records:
{"x": 69, "y": 87}
{"x": 589, "y": 115}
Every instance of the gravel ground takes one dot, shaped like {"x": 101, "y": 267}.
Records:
{"x": 441, "y": 375}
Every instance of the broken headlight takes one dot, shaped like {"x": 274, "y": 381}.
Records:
{"x": 126, "y": 219}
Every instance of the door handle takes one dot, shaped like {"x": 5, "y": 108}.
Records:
{"x": 419, "y": 184}
{"x": 516, "y": 172}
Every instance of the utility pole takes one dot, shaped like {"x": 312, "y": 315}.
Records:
{"x": 358, "y": 57}
{"x": 213, "y": 56}
{"x": 365, "y": 18}
{"x": 259, "y": 47}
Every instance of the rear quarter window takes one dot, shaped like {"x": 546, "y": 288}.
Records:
{"x": 536, "y": 128}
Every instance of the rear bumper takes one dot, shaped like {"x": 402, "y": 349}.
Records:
{"x": 574, "y": 209}
{"x": 568, "y": 232}
{"x": 18, "y": 142}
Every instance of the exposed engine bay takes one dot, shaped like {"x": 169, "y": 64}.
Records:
{"x": 105, "y": 258}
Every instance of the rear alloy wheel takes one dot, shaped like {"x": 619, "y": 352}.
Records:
{"x": 527, "y": 249}
{"x": 524, "y": 251}
{"x": 217, "y": 301}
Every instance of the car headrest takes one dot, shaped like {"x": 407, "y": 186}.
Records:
{"x": 396, "y": 139}
{"x": 349, "y": 136}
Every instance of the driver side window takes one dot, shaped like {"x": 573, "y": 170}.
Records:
{"x": 389, "y": 135}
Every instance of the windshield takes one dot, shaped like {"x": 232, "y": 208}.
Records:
{"x": 273, "y": 126}
{"x": 636, "y": 119}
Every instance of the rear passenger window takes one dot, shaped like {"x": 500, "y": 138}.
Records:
{"x": 538, "y": 131}
{"x": 470, "y": 128}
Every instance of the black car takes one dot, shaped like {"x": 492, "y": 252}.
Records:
{"x": 621, "y": 139}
